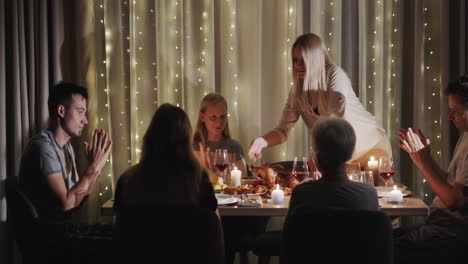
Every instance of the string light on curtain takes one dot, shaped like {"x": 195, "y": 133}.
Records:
{"x": 330, "y": 33}
{"x": 155, "y": 87}
{"x": 102, "y": 94}
{"x": 108, "y": 36}
{"x": 290, "y": 34}
{"x": 135, "y": 79}
{"x": 431, "y": 73}
{"x": 128, "y": 64}
{"x": 204, "y": 40}
{"x": 176, "y": 20}
{"x": 392, "y": 122}
{"x": 232, "y": 55}
{"x": 374, "y": 59}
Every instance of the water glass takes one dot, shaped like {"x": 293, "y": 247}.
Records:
{"x": 368, "y": 177}
{"x": 353, "y": 171}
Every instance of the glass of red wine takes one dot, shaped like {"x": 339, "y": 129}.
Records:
{"x": 300, "y": 170}
{"x": 386, "y": 170}
{"x": 221, "y": 162}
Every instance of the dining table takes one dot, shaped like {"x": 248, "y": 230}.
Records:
{"x": 410, "y": 206}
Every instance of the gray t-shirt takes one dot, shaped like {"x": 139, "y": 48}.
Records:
{"x": 231, "y": 145}
{"x": 324, "y": 195}
{"x": 457, "y": 172}
{"x": 42, "y": 158}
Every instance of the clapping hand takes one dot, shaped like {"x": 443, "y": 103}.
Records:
{"x": 98, "y": 152}
{"x": 417, "y": 145}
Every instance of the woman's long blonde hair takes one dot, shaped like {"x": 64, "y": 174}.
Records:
{"x": 201, "y": 133}
{"x": 317, "y": 62}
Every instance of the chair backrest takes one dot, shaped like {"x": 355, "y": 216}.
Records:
{"x": 172, "y": 235}
{"x": 337, "y": 236}
{"x": 23, "y": 219}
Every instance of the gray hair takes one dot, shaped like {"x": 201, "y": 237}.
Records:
{"x": 334, "y": 139}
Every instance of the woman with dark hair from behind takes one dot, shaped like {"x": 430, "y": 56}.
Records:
{"x": 167, "y": 183}
{"x": 167, "y": 167}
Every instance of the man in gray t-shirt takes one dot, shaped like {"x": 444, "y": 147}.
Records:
{"x": 48, "y": 174}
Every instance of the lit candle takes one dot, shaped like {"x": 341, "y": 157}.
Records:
{"x": 372, "y": 164}
{"x": 395, "y": 195}
{"x": 277, "y": 195}
{"x": 236, "y": 177}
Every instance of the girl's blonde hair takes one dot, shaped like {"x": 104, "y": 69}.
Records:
{"x": 201, "y": 133}
{"x": 317, "y": 62}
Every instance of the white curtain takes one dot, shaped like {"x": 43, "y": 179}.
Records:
{"x": 151, "y": 52}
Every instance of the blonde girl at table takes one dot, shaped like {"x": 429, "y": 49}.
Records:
{"x": 321, "y": 89}
{"x": 212, "y": 132}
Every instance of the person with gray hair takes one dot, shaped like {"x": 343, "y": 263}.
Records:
{"x": 333, "y": 140}
{"x": 330, "y": 135}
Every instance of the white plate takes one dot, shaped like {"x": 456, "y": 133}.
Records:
{"x": 383, "y": 191}
{"x": 224, "y": 199}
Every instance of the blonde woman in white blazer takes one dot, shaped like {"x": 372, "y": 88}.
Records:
{"x": 322, "y": 89}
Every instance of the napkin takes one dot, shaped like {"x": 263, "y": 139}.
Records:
{"x": 250, "y": 201}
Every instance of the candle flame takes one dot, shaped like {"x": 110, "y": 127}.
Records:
{"x": 372, "y": 158}
{"x": 394, "y": 187}
{"x": 277, "y": 186}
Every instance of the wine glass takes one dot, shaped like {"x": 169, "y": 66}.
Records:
{"x": 300, "y": 170}
{"x": 221, "y": 162}
{"x": 386, "y": 170}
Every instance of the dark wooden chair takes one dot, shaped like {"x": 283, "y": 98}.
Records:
{"x": 337, "y": 236}
{"x": 168, "y": 235}
{"x": 23, "y": 220}
{"x": 44, "y": 242}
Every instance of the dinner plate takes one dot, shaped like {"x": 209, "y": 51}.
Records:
{"x": 383, "y": 191}
{"x": 224, "y": 199}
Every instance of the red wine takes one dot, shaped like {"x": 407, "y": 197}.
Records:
{"x": 221, "y": 166}
{"x": 386, "y": 175}
{"x": 300, "y": 175}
